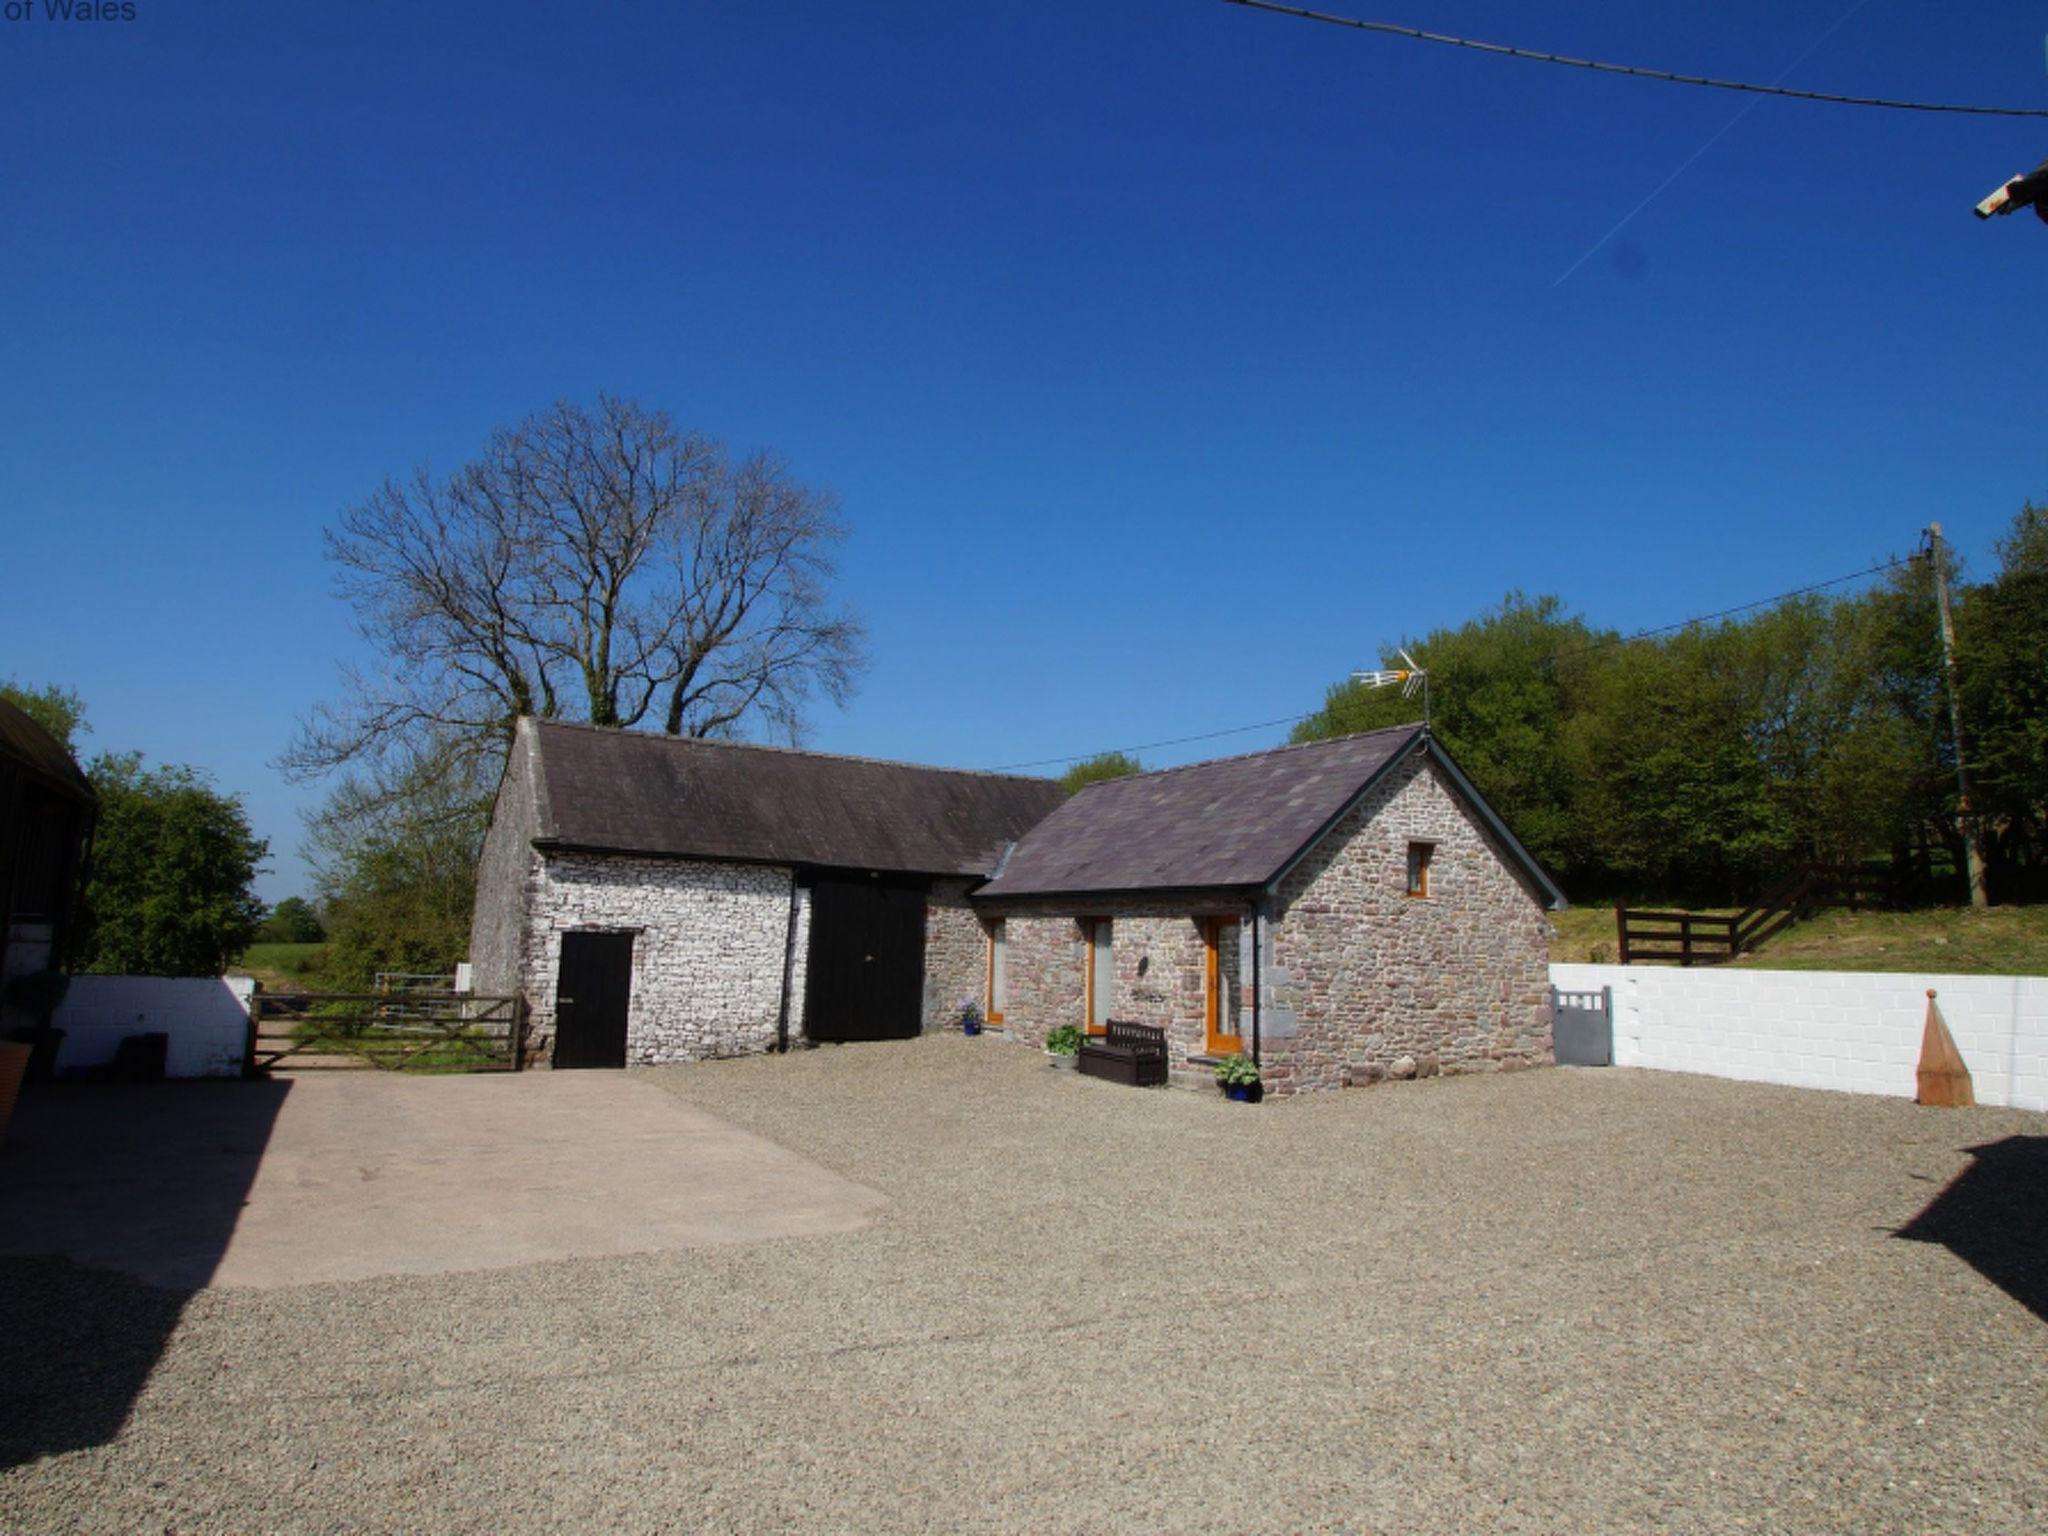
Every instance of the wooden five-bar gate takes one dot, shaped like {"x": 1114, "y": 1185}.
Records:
{"x": 394, "y": 1031}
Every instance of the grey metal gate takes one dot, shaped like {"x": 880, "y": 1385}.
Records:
{"x": 1582, "y": 1027}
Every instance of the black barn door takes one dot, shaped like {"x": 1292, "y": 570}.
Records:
{"x": 865, "y": 975}
{"x": 591, "y": 992}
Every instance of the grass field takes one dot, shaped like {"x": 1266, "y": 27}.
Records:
{"x": 2005, "y": 941}
{"x": 281, "y": 967}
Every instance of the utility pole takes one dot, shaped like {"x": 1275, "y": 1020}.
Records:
{"x": 1966, "y": 820}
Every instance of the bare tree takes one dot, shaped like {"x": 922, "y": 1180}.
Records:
{"x": 592, "y": 563}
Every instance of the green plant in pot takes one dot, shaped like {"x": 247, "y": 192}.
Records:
{"x": 1063, "y": 1045}
{"x": 1238, "y": 1077}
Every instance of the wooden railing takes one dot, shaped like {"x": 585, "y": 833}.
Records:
{"x": 1699, "y": 938}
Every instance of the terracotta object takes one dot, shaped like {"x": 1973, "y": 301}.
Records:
{"x": 1944, "y": 1080}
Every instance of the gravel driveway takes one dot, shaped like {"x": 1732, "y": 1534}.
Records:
{"x": 1550, "y": 1301}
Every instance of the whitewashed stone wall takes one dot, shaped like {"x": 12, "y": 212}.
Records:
{"x": 799, "y": 965}
{"x": 1853, "y": 1031}
{"x": 708, "y": 956}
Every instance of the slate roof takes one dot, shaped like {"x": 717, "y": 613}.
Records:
{"x": 1237, "y": 822}
{"x": 616, "y": 791}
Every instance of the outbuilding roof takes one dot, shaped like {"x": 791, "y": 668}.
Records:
{"x": 1233, "y": 822}
{"x": 27, "y": 744}
{"x": 630, "y": 792}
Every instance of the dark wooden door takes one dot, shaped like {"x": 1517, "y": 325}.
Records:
{"x": 864, "y": 979}
{"x": 591, "y": 993}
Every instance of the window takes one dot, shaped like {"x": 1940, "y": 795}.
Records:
{"x": 1221, "y": 999}
{"x": 1418, "y": 868}
{"x": 998, "y": 971}
{"x": 1101, "y": 973}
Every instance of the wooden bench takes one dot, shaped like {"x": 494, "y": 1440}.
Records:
{"x": 1127, "y": 1053}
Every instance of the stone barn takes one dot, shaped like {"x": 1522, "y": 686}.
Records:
{"x": 659, "y": 898}
{"x": 1342, "y": 910}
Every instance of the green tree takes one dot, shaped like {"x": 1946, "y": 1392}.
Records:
{"x": 173, "y": 863}
{"x": 1104, "y": 765}
{"x": 57, "y": 710}
{"x": 1505, "y": 689}
{"x": 292, "y": 921}
{"x": 2002, "y": 645}
{"x": 1898, "y": 650}
{"x": 395, "y": 868}
{"x": 1679, "y": 798}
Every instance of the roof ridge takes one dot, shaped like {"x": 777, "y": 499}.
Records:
{"x": 1415, "y": 727}
{"x": 762, "y": 746}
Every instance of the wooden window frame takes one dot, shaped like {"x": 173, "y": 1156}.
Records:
{"x": 996, "y": 935}
{"x": 1214, "y": 1041}
{"x": 1420, "y": 856}
{"x": 1089, "y": 925}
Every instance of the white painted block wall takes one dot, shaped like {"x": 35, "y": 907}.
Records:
{"x": 1858, "y": 1032}
{"x": 207, "y": 1019}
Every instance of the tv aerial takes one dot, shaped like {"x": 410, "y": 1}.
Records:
{"x": 1413, "y": 678}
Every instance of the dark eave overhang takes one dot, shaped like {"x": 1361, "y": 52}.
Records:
{"x": 673, "y": 856}
{"x": 1215, "y": 894}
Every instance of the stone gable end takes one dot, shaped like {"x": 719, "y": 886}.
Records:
{"x": 1366, "y": 981}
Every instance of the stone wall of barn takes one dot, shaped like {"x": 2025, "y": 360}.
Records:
{"x": 1044, "y": 959}
{"x": 955, "y": 955}
{"x": 506, "y": 875}
{"x": 708, "y": 953}
{"x": 1365, "y": 982}
{"x": 1157, "y": 949}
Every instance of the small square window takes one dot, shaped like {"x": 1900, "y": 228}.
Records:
{"x": 1418, "y": 868}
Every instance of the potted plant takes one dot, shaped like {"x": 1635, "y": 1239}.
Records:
{"x": 1238, "y": 1077}
{"x": 970, "y": 1017}
{"x": 1063, "y": 1045}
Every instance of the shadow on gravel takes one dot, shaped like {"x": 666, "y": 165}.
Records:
{"x": 116, "y": 1203}
{"x": 1994, "y": 1216}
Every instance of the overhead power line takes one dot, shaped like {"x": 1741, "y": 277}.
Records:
{"x": 1147, "y": 746}
{"x": 1891, "y": 562}
{"x": 1668, "y": 77}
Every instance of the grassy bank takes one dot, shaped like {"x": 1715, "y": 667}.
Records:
{"x": 2005, "y": 941}
{"x": 282, "y": 967}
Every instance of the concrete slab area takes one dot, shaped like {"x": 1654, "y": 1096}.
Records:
{"x": 350, "y": 1175}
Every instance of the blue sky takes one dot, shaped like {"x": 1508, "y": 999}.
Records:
{"x": 1167, "y": 357}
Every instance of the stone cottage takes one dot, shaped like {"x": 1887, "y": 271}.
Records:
{"x": 1341, "y": 910}
{"x": 659, "y": 899}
